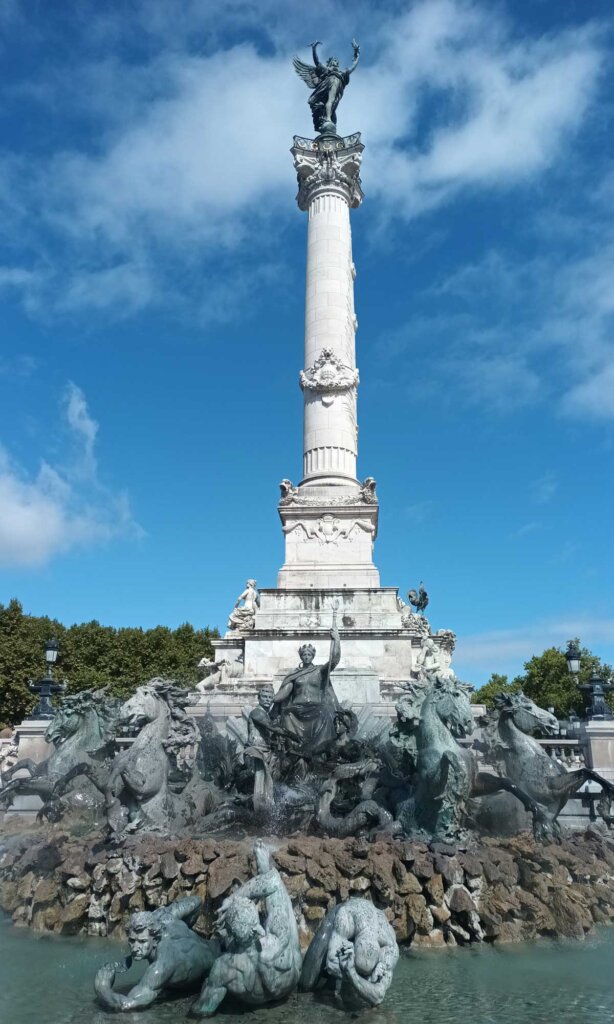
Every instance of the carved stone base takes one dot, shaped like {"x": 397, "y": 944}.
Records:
{"x": 377, "y": 651}
{"x": 329, "y": 541}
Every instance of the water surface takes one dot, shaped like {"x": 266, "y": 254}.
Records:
{"x": 48, "y": 980}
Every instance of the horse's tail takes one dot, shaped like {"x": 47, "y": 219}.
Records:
{"x": 315, "y": 957}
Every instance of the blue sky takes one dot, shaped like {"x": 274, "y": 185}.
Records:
{"x": 151, "y": 299}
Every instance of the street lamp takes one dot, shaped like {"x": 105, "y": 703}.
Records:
{"x": 46, "y": 687}
{"x": 596, "y": 687}
{"x": 52, "y": 649}
{"x": 573, "y": 657}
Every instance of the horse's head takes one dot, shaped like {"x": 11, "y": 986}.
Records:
{"x": 525, "y": 715}
{"x": 88, "y": 715}
{"x": 64, "y": 723}
{"x": 144, "y": 706}
{"x": 453, "y": 705}
{"x": 159, "y": 698}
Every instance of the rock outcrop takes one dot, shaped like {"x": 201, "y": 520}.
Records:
{"x": 434, "y": 895}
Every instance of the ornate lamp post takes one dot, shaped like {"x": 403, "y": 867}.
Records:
{"x": 47, "y": 687}
{"x": 596, "y": 687}
{"x": 573, "y": 658}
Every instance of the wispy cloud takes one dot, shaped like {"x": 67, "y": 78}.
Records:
{"x": 21, "y": 366}
{"x": 593, "y": 398}
{"x": 527, "y": 529}
{"x": 420, "y": 511}
{"x": 63, "y": 506}
{"x": 518, "y": 331}
{"x": 506, "y": 650}
{"x": 543, "y": 490}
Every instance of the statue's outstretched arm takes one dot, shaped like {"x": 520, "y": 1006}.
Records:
{"x": 335, "y": 654}
{"x": 356, "y": 57}
{"x": 314, "y": 51}
{"x": 186, "y": 910}
{"x": 143, "y": 994}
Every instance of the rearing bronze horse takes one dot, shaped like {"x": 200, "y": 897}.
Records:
{"x": 507, "y": 745}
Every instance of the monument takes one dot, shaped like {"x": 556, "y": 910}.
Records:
{"x": 329, "y": 520}
{"x": 309, "y": 753}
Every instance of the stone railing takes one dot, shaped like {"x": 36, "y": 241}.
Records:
{"x": 568, "y": 752}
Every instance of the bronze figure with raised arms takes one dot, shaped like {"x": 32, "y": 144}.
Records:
{"x": 328, "y": 82}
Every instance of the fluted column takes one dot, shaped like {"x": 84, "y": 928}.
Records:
{"x": 329, "y": 184}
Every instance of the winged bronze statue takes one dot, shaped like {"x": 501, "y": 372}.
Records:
{"x": 328, "y": 82}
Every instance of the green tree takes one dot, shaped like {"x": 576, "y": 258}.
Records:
{"x": 21, "y": 658}
{"x": 496, "y": 684}
{"x": 92, "y": 655}
{"x": 548, "y": 682}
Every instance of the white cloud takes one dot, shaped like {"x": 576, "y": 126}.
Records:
{"x": 84, "y": 428}
{"x": 61, "y": 507}
{"x": 125, "y": 287}
{"x": 506, "y": 650}
{"x": 508, "y": 106}
{"x": 501, "y": 382}
{"x": 593, "y": 398}
{"x": 518, "y": 331}
{"x": 195, "y": 161}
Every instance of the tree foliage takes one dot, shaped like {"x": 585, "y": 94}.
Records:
{"x": 547, "y": 681}
{"x": 496, "y": 684}
{"x": 92, "y": 655}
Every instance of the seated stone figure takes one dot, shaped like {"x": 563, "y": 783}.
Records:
{"x": 262, "y": 961}
{"x": 306, "y": 705}
{"x": 178, "y": 958}
{"x": 355, "y": 952}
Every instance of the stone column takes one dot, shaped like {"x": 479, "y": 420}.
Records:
{"x": 329, "y": 520}
{"x": 329, "y": 184}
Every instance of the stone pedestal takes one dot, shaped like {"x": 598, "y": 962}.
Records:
{"x": 31, "y": 743}
{"x": 598, "y": 737}
{"x": 378, "y": 646}
{"x": 30, "y": 739}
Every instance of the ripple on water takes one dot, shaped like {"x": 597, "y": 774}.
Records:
{"x": 48, "y": 980}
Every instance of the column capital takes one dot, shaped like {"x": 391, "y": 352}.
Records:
{"x": 328, "y": 164}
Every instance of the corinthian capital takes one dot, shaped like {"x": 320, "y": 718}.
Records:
{"x": 327, "y": 164}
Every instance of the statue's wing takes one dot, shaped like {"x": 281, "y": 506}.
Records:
{"x": 308, "y": 72}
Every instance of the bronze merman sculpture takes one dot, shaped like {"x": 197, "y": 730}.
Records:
{"x": 178, "y": 958}
{"x": 261, "y": 962}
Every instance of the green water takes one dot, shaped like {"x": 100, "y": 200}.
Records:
{"x": 47, "y": 980}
